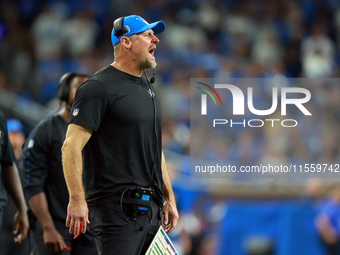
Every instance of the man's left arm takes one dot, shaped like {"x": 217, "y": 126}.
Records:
{"x": 170, "y": 208}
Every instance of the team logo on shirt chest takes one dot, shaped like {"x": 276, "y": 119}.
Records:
{"x": 151, "y": 93}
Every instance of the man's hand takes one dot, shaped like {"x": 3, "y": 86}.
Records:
{"x": 327, "y": 231}
{"x": 77, "y": 212}
{"x": 20, "y": 221}
{"x": 53, "y": 240}
{"x": 170, "y": 211}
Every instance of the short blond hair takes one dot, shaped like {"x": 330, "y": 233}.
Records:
{"x": 116, "y": 49}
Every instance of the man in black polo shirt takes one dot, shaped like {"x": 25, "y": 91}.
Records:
{"x": 45, "y": 184}
{"x": 10, "y": 181}
{"x": 116, "y": 122}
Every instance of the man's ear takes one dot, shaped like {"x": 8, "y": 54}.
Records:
{"x": 126, "y": 42}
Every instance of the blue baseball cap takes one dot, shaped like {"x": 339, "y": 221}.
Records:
{"x": 14, "y": 125}
{"x": 136, "y": 24}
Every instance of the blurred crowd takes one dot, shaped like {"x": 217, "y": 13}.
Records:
{"x": 42, "y": 39}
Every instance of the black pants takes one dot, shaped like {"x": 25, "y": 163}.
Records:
{"x": 7, "y": 244}
{"x": 82, "y": 245}
{"x": 115, "y": 236}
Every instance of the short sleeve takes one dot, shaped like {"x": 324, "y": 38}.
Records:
{"x": 35, "y": 161}
{"x": 89, "y": 105}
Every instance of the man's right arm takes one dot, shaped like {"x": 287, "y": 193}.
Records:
{"x": 77, "y": 212}
{"x": 52, "y": 238}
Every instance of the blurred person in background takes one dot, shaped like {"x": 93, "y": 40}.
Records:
{"x": 312, "y": 193}
{"x": 10, "y": 182}
{"x": 16, "y": 134}
{"x": 80, "y": 33}
{"x": 318, "y": 52}
{"x": 45, "y": 184}
{"x": 47, "y": 31}
{"x": 328, "y": 221}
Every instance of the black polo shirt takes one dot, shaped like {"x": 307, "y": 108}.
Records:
{"x": 124, "y": 146}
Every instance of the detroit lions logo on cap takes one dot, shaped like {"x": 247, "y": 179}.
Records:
{"x": 127, "y": 30}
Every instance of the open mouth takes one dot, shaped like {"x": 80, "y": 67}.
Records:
{"x": 151, "y": 52}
